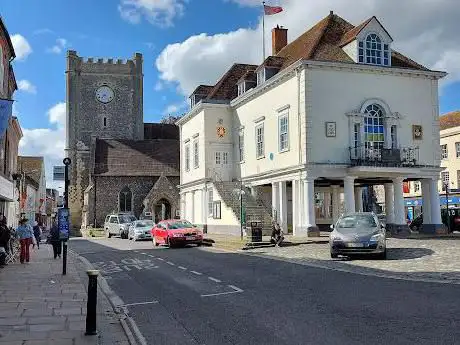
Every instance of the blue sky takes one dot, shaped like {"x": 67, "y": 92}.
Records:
{"x": 188, "y": 42}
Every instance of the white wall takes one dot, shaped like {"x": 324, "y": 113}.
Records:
{"x": 334, "y": 93}
{"x": 189, "y": 130}
{"x": 267, "y": 105}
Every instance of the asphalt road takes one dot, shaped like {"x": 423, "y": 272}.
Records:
{"x": 194, "y": 296}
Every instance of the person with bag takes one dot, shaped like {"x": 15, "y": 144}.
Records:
{"x": 25, "y": 235}
{"x": 37, "y": 234}
{"x": 55, "y": 240}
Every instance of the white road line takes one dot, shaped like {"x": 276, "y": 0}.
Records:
{"x": 161, "y": 259}
{"x": 197, "y": 273}
{"x": 151, "y": 256}
{"x": 144, "y": 253}
{"x": 182, "y": 267}
{"x": 237, "y": 289}
{"x": 215, "y": 280}
{"x": 170, "y": 263}
{"x": 139, "y": 303}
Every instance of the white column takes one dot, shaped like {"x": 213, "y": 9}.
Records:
{"x": 348, "y": 188}
{"x": 434, "y": 203}
{"x": 309, "y": 203}
{"x": 254, "y": 192}
{"x": 327, "y": 204}
{"x": 389, "y": 203}
{"x": 426, "y": 201}
{"x": 192, "y": 208}
{"x": 359, "y": 199}
{"x": 335, "y": 203}
{"x": 295, "y": 206}
{"x": 283, "y": 206}
{"x": 182, "y": 206}
{"x": 204, "y": 218}
{"x": 275, "y": 201}
{"x": 399, "y": 201}
{"x": 300, "y": 209}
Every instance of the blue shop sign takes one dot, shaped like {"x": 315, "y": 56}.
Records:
{"x": 63, "y": 223}
{"x": 412, "y": 202}
{"x": 453, "y": 200}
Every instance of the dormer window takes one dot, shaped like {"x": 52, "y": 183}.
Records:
{"x": 194, "y": 99}
{"x": 373, "y": 51}
{"x": 241, "y": 88}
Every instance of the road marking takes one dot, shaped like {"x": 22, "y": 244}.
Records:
{"x": 144, "y": 253}
{"x": 161, "y": 259}
{"x": 151, "y": 256}
{"x": 215, "y": 280}
{"x": 170, "y": 263}
{"x": 182, "y": 267}
{"x": 138, "y": 303}
{"x": 197, "y": 273}
{"x": 235, "y": 290}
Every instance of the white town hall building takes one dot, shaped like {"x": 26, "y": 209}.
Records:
{"x": 299, "y": 136}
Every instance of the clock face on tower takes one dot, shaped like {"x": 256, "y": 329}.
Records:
{"x": 104, "y": 94}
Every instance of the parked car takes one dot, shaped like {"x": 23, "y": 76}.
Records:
{"x": 454, "y": 212}
{"x": 176, "y": 232}
{"x": 141, "y": 230}
{"x": 358, "y": 233}
{"x": 117, "y": 224}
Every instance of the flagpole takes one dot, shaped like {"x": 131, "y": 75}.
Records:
{"x": 263, "y": 29}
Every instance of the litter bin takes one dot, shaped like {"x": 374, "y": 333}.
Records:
{"x": 254, "y": 232}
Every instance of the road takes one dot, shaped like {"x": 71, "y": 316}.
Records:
{"x": 200, "y": 296}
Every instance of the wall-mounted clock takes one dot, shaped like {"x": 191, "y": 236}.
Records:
{"x": 104, "y": 94}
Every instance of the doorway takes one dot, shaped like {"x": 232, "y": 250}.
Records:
{"x": 162, "y": 210}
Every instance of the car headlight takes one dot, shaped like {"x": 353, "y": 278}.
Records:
{"x": 377, "y": 238}
{"x": 177, "y": 235}
{"x": 335, "y": 238}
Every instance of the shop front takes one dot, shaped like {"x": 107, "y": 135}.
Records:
{"x": 414, "y": 206}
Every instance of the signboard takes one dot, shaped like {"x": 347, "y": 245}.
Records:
{"x": 59, "y": 173}
{"x": 63, "y": 223}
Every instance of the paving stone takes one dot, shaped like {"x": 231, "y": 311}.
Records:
{"x": 68, "y": 311}
{"x": 38, "y": 312}
{"x": 47, "y": 327}
{"x": 50, "y": 341}
{"x": 12, "y": 321}
{"x": 40, "y": 320}
{"x": 78, "y": 304}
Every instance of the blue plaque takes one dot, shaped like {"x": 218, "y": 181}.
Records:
{"x": 63, "y": 223}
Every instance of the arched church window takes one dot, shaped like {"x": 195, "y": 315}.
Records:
{"x": 374, "y": 130}
{"x": 125, "y": 200}
{"x": 373, "y": 51}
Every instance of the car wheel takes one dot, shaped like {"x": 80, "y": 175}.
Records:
{"x": 334, "y": 256}
{"x": 383, "y": 256}
{"x": 109, "y": 234}
{"x": 168, "y": 242}
{"x": 199, "y": 244}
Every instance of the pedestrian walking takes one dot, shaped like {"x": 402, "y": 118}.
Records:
{"x": 25, "y": 235}
{"x": 37, "y": 233}
{"x": 5, "y": 236}
{"x": 55, "y": 240}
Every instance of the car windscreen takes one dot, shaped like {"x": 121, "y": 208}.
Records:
{"x": 144, "y": 224}
{"x": 356, "y": 221}
{"x": 180, "y": 225}
{"x": 127, "y": 219}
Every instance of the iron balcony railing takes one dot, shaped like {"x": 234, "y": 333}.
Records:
{"x": 371, "y": 156}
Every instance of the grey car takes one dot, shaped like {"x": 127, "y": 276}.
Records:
{"x": 141, "y": 230}
{"x": 358, "y": 233}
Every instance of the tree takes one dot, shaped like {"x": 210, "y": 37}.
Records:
{"x": 170, "y": 119}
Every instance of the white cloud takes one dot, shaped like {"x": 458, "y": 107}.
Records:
{"x": 26, "y": 86}
{"x": 158, "y": 12}
{"x": 21, "y": 47}
{"x": 43, "y": 31}
{"x": 158, "y": 86}
{"x": 175, "y": 108}
{"x": 47, "y": 142}
{"x": 431, "y": 39}
{"x": 61, "y": 44}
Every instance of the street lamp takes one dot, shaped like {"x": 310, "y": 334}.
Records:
{"x": 240, "y": 191}
{"x": 447, "y": 189}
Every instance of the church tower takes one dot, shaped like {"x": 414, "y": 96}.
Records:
{"x": 104, "y": 99}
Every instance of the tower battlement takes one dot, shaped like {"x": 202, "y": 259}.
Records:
{"x": 75, "y": 62}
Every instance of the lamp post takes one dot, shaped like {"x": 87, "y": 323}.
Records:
{"x": 446, "y": 187}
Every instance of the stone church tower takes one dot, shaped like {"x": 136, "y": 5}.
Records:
{"x": 104, "y": 100}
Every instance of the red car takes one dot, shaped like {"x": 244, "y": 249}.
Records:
{"x": 176, "y": 232}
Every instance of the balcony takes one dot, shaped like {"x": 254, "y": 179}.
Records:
{"x": 379, "y": 157}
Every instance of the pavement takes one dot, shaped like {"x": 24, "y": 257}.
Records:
{"x": 40, "y": 306}
{"x": 207, "y": 296}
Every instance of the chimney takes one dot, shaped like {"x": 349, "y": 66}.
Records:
{"x": 279, "y": 39}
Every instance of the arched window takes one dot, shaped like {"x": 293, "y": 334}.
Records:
{"x": 374, "y": 129}
{"x": 125, "y": 198}
{"x": 374, "y": 51}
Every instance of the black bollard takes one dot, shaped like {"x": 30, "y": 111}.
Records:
{"x": 64, "y": 257}
{"x": 92, "y": 303}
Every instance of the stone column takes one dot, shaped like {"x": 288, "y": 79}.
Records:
{"x": 426, "y": 201}
{"x": 275, "y": 201}
{"x": 434, "y": 203}
{"x": 399, "y": 201}
{"x": 327, "y": 204}
{"x": 309, "y": 207}
{"x": 349, "y": 186}
{"x": 283, "y": 206}
{"x": 335, "y": 203}
{"x": 389, "y": 203}
{"x": 358, "y": 199}
{"x": 295, "y": 206}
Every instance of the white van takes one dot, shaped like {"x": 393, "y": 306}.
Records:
{"x": 117, "y": 224}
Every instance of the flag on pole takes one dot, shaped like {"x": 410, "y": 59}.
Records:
{"x": 6, "y": 108}
{"x": 270, "y": 10}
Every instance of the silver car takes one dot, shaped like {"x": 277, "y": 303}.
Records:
{"x": 141, "y": 230}
{"x": 358, "y": 233}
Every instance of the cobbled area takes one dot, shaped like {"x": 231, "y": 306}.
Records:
{"x": 436, "y": 260}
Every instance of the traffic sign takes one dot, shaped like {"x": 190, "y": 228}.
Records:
{"x": 63, "y": 223}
